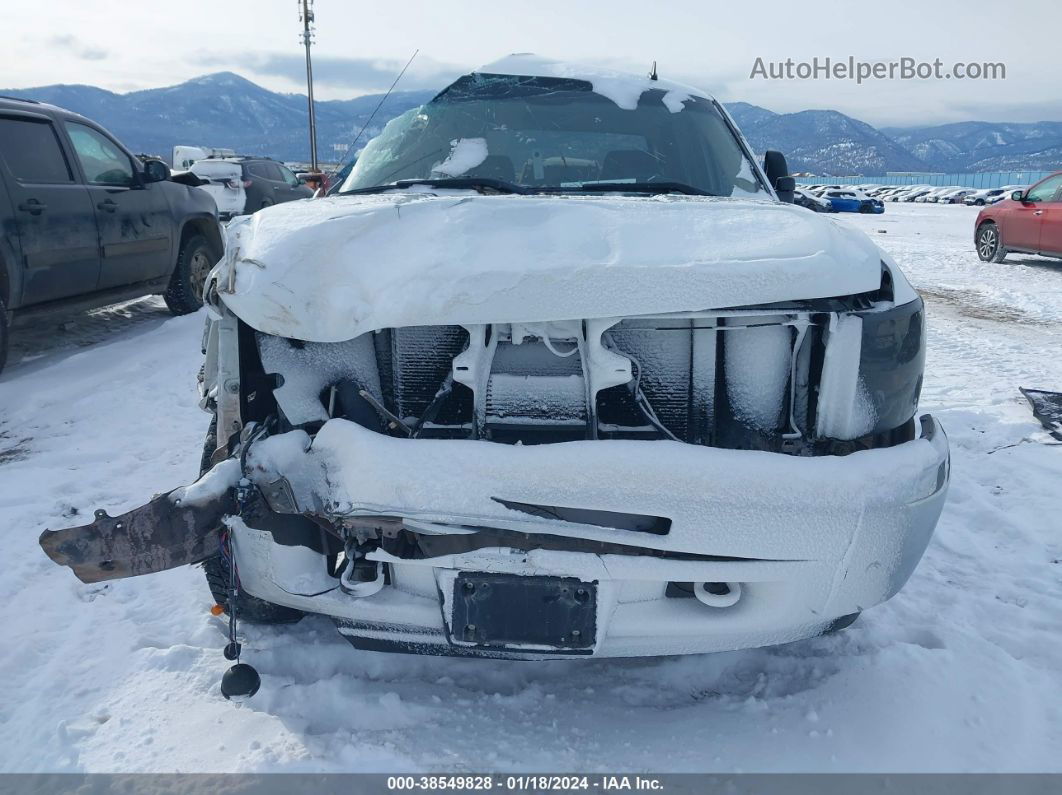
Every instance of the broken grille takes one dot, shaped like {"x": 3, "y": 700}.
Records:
{"x": 731, "y": 380}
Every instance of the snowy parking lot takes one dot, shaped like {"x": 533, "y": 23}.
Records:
{"x": 959, "y": 672}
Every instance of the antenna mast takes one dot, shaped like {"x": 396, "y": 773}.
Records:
{"x": 306, "y": 17}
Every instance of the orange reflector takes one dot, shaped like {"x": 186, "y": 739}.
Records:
{"x": 217, "y": 610}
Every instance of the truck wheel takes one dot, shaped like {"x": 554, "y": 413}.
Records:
{"x": 3, "y": 334}
{"x": 185, "y": 291}
{"x": 249, "y": 608}
{"x": 990, "y": 243}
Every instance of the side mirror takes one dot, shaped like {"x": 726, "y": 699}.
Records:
{"x": 778, "y": 175}
{"x": 1018, "y": 196}
{"x": 156, "y": 171}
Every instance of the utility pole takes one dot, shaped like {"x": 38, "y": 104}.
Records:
{"x": 306, "y": 18}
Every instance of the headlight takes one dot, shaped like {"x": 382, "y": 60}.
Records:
{"x": 871, "y": 376}
{"x": 892, "y": 359}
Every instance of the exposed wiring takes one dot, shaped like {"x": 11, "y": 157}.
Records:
{"x": 549, "y": 344}
{"x": 643, "y": 402}
{"x": 256, "y": 434}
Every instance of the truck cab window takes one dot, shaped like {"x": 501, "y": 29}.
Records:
{"x": 102, "y": 161}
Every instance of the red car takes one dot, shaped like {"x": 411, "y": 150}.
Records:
{"x": 1030, "y": 221}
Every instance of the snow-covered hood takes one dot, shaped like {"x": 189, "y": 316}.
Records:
{"x": 327, "y": 270}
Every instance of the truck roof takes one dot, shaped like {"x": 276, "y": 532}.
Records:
{"x": 622, "y": 88}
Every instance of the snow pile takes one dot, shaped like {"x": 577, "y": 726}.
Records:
{"x": 310, "y": 368}
{"x": 210, "y": 487}
{"x": 465, "y": 155}
{"x": 334, "y": 268}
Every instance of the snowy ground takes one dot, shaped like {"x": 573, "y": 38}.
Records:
{"x": 958, "y": 672}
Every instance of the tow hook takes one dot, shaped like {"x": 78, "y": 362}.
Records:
{"x": 351, "y": 584}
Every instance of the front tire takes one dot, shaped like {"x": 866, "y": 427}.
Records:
{"x": 184, "y": 294}
{"x": 989, "y": 243}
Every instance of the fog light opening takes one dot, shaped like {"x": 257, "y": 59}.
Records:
{"x": 717, "y": 594}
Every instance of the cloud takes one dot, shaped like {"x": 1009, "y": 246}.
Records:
{"x": 77, "y": 47}
{"x": 880, "y": 103}
{"x": 356, "y": 74}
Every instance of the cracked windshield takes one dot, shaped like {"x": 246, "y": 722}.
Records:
{"x": 559, "y": 134}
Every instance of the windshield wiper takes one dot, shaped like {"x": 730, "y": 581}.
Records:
{"x": 489, "y": 185}
{"x": 642, "y": 187}
{"x": 481, "y": 184}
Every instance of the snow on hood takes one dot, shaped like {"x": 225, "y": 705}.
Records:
{"x": 622, "y": 88}
{"x": 327, "y": 270}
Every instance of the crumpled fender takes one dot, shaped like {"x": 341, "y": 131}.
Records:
{"x": 174, "y": 529}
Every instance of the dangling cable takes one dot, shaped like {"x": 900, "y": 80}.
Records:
{"x": 232, "y": 650}
{"x": 241, "y": 681}
{"x": 643, "y": 402}
{"x": 372, "y": 115}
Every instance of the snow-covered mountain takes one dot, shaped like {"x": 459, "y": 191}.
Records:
{"x": 985, "y": 146}
{"x": 823, "y": 141}
{"x": 224, "y": 109}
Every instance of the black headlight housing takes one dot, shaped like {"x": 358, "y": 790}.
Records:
{"x": 892, "y": 361}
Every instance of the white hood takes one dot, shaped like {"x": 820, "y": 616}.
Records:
{"x": 327, "y": 270}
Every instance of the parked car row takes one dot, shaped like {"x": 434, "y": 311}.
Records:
{"x": 840, "y": 199}
{"x": 810, "y": 201}
{"x": 991, "y": 196}
{"x": 921, "y": 194}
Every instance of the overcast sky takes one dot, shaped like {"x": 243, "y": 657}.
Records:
{"x": 361, "y": 45}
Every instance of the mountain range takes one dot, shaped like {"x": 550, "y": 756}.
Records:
{"x": 227, "y": 110}
{"x": 824, "y": 141}
{"x": 985, "y": 146}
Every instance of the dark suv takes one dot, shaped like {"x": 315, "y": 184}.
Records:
{"x": 84, "y": 223}
{"x": 268, "y": 182}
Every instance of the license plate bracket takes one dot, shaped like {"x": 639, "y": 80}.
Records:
{"x": 513, "y": 611}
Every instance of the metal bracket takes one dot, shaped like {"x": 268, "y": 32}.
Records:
{"x": 163, "y": 534}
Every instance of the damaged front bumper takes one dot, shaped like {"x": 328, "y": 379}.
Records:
{"x": 803, "y": 541}
{"x": 180, "y": 527}
{"x": 638, "y": 527}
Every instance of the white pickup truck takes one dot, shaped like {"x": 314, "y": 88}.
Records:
{"x": 555, "y": 373}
